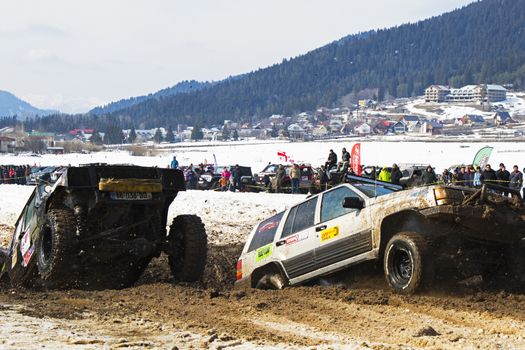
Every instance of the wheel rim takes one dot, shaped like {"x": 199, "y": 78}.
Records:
{"x": 401, "y": 265}
{"x": 46, "y": 245}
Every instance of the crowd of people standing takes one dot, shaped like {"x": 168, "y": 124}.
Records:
{"x": 14, "y": 174}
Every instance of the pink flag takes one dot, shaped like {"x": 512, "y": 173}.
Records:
{"x": 356, "y": 159}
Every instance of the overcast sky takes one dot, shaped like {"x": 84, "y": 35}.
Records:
{"x": 75, "y": 54}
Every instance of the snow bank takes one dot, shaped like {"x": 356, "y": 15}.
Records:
{"x": 229, "y": 217}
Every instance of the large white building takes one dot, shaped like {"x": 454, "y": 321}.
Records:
{"x": 466, "y": 94}
{"x": 436, "y": 93}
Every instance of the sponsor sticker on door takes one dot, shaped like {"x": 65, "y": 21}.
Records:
{"x": 329, "y": 233}
{"x": 26, "y": 243}
{"x": 28, "y": 255}
{"x": 296, "y": 238}
{"x": 263, "y": 252}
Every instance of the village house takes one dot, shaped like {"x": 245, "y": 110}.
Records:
{"x": 295, "y": 131}
{"x": 502, "y": 118}
{"x": 7, "y": 144}
{"x": 363, "y": 130}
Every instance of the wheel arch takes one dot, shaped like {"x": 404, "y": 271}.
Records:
{"x": 271, "y": 267}
{"x": 406, "y": 220}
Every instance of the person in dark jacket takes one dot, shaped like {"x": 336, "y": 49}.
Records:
{"x": 279, "y": 178}
{"x": 429, "y": 176}
{"x": 488, "y": 176}
{"x": 503, "y": 176}
{"x": 323, "y": 181}
{"x": 446, "y": 176}
{"x": 332, "y": 160}
{"x": 516, "y": 178}
{"x": 396, "y": 175}
{"x": 235, "y": 178}
{"x": 345, "y": 161}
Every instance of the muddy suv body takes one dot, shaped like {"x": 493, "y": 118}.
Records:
{"x": 413, "y": 233}
{"x": 98, "y": 226}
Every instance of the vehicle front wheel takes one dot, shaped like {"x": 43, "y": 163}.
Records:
{"x": 407, "y": 263}
{"x": 189, "y": 246}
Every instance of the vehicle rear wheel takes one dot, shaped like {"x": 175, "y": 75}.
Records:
{"x": 272, "y": 280}
{"x": 407, "y": 263}
{"x": 56, "y": 250}
{"x": 189, "y": 246}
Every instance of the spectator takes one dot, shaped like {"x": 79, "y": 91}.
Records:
{"x": 477, "y": 177}
{"x": 223, "y": 184}
{"x": 469, "y": 176}
{"x": 396, "y": 175}
{"x": 345, "y": 161}
{"x": 516, "y": 178}
{"x": 295, "y": 176}
{"x": 429, "y": 176}
{"x": 488, "y": 176}
{"x": 385, "y": 175}
{"x": 446, "y": 177}
{"x": 323, "y": 180}
{"x": 503, "y": 176}
{"x": 279, "y": 178}
{"x": 191, "y": 178}
{"x": 236, "y": 178}
{"x": 332, "y": 160}
{"x": 174, "y": 163}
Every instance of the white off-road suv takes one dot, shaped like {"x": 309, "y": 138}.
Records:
{"x": 410, "y": 231}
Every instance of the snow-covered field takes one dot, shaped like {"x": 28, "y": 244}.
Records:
{"x": 440, "y": 154}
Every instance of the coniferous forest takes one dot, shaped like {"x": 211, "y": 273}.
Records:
{"x": 483, "y": 42}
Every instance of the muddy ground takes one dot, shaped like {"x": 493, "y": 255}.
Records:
{"x": 359, "y": 314}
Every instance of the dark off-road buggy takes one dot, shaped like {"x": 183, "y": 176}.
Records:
{"x": 99, "y": 226}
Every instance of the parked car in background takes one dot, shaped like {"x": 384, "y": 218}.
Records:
{"x": 38, "y": 173}
{"x": 263, "y": 180}
{"x": 209, "y": 179}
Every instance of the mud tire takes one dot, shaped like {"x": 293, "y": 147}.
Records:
{"x": 56, "y": 250}
{"x": 189, "y": 246}
{"x": 271, "y": 281}
{"x": 408, "y": 264}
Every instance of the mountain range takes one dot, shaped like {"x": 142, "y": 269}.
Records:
{"x": 483, "y": 42}
{"x": 11, "y": 106}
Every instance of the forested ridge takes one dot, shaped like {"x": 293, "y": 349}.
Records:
{"x": 483, "y": 42}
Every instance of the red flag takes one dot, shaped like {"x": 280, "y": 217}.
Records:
{"x": 356, "y": 159}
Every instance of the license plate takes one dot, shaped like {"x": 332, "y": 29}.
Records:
{"x": 304, "y": 178}
{"x": 131, "y": 196}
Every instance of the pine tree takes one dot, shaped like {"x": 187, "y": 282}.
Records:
{"x": 158, "y": 136}
{"x": 196, "y": 133}
{"x": 95, "y": 138}
{"x": 132, "y": 135}
{"x": 274, "y": 132}
{"x": 225, "y": 132}
{"x": 170, "y": 137}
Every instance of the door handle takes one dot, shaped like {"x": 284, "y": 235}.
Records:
{"x": 320, "y": 228}
{"x": 280, "y": 243}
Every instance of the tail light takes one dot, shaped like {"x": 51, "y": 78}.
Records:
{"x": 238, "y": 274}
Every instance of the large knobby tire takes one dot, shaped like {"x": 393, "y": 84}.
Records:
{"x": 57, "y": 249}
{"x": 189, "y": 246}
{"x": 408, "y": 263}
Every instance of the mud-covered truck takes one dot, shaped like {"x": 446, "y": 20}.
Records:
{"x": 98, "y": 226}
{"x": 417, "y": 235}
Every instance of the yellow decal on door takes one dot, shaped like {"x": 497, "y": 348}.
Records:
{"x": 263, "y": 253}
{"x": 329, "y": 233}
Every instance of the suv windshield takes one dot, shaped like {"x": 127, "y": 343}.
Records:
{"x": 373, "y": 190}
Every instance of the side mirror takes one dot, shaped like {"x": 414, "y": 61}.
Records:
{"x": 353, "y": 203}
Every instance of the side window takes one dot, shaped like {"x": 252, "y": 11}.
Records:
{"x": 265, "y": 232}
{"x": 305, "y": 215}
{"x": 300, "y": 218}
{"x": 288, "y": 225}
{"x": 332, "y": 205}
